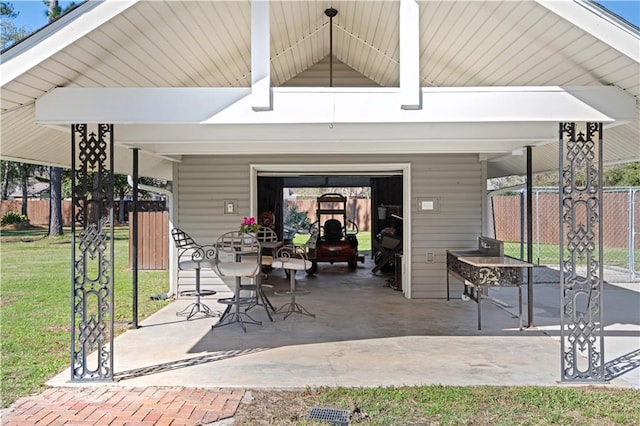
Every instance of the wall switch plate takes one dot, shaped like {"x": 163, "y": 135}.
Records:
{"x": 230, "y": 207}
{"x": 427, "y": 205}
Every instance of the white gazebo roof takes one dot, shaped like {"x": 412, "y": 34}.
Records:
{"x": 175, "y": 77}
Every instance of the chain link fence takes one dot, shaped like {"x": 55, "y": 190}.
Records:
{"x": 620, "y": 221}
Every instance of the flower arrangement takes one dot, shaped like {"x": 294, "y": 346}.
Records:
{"x": 249, "y": 225}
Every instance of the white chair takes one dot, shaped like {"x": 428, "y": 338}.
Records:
{"x": 238, "y": 256}
{"x": 292, "y": 259}
{"x": 192, "y": 255}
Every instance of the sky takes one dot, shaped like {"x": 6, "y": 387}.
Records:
{"x": 33, "y": 12}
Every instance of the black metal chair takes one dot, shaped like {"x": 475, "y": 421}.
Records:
{"x": 192, "y": 255}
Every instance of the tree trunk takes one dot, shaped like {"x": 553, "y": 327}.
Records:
{"x": 5, "y": 182}
{"x": 24, "y": 178}
{"x": 52, "y": 12}
{"x": 55, "y": 201}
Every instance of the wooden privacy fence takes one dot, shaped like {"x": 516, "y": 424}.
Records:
{"x": 153, "y": 240}
{"x": 358, "y": 210}
{"x": 507, "y": 218}
{"x": 38, "y": 210}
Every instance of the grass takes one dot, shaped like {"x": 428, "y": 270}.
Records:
{"x": 550, "y": 254}
{"x": 364, "y": 240}
{"x": 35, "y": 346}
{"x": 449, "y": 405}
{"x": 35, "y": 302}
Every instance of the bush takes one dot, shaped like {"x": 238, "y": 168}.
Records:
{"x": 12, "y": 218}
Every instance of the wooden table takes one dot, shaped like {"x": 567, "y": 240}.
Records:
{"x": 480, "y": 272}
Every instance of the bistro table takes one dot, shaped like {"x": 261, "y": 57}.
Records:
{"x": 480, "y": 272}
{"x": 244, "y": 250}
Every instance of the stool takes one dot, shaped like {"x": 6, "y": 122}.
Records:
{"x": 193, "y": 256}
{"x": 292, "y": 259}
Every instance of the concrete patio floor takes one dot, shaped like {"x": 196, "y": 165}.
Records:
{"x": 366, "y": 334}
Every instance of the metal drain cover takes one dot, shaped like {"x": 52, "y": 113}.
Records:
{"x": 333, "y": 415}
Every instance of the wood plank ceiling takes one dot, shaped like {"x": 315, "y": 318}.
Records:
{"x": 207, "y": 44}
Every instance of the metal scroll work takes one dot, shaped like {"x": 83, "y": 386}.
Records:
{"x": 92, "y": 254}
{"x": 494, "y": 276}
{"x": 582, "y": 337}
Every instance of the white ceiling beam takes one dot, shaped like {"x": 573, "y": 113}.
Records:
{"x": 409, "y": 54}
{"x": 334, "y": 147}
{"x": 464, "y": 104}
{"x": 518, "y": 133}
{"x": 605, "y": 104}
{"x": 134, "y": 104}
{"x": 260, "y": 56}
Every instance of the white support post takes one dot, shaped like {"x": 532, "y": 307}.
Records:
{"x": 485, "y": 197}
{"x": 409, "y": 55}
{"x": 260, "y": 56}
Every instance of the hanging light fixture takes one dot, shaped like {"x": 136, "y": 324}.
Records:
{"x": 331, "y": 12}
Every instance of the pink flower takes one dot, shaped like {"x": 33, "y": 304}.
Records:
{"x": 249, "y": 224}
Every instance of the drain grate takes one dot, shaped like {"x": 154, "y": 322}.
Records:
{"x": 333, "y": 415}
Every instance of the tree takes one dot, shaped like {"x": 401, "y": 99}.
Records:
{"x": 55, "y": 201}
{"x": 9, "y": 33}
{"x": 9, "y": 172}
{"x": 25, "y": 171}
{"x": 624, "y": 175}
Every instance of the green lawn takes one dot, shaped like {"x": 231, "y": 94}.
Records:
{"x": 364, "y": 240}
{"x": 549, "y": 254}
{"x": 449, "y": 405}
{"x": 35, "y": 344}
{"x": 36, "y": 312}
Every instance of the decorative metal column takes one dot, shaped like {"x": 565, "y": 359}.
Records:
{"x": 581, "y": 285}
{"x": 92, "y": 254}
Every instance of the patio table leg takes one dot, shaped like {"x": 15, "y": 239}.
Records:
{"x": 293, "y": 307}
{"x": 235, "y": 316}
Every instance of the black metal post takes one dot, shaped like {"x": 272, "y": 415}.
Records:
{"x": 92, "y": 318}
{"x": 331, "y": 12}
{"x": 522, "y": 220}
{"x": 530, "y": 235}
{"x": 581, "y": 254}
{"x": 134, "y": 243}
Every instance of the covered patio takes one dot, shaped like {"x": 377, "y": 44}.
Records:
{"x": 214, "y": 95}
{"x": 366, "y": 334}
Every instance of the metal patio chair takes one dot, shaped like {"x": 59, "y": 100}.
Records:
{"x": 192, "y": 255}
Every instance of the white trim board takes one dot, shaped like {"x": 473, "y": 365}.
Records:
{"x": 359, "y": 168}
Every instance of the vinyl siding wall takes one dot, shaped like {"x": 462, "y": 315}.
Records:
{"x": 203, "y": 183}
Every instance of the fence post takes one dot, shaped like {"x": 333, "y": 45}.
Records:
{"x": 538, "y": 225}
{"x": 632, "y": 233}
{"x": 522, "y": 222}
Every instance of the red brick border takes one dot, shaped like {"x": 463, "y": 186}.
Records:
{"x": 119, "y": 406}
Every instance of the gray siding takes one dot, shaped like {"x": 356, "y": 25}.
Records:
{"x": 318, "y": 76}
{"x": 455, "y": 179}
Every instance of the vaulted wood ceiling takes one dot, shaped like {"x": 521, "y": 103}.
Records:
{"x": 207, "y": 43}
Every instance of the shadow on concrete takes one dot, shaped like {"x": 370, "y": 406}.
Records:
{"x": 181, "y": 363}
